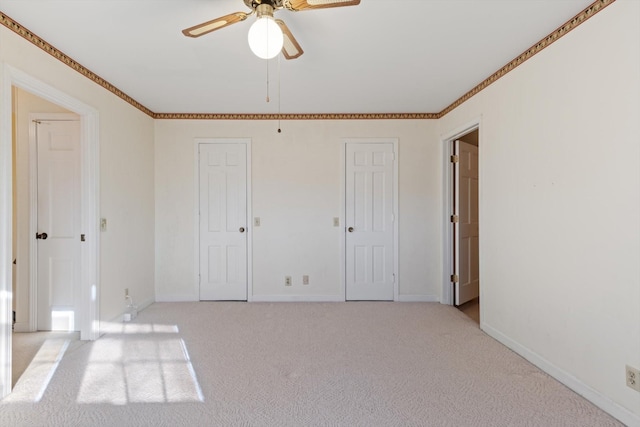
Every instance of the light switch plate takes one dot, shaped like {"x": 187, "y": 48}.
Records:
{"x": 103, "y": 224}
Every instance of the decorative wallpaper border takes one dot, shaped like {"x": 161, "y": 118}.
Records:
{"x": 332, "y": 116}
{"x": 564, "y": 29}
{"x": 70, "y": 62}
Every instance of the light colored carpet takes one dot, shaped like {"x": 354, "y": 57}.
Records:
{"x": 26, "y": 345}
{"x": 297, "y": 364}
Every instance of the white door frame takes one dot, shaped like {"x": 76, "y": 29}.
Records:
{"x": 447, "y": 179}
{"x": 33, "y": 210}
{"x": 343, "y": 209}
{"x": 196, "y": 210}
{"x": 90, "y": 195}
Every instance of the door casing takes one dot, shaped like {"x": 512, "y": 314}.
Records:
{"x": 90, "y": 196}
{"x": 447, "y": 203}
{"x": 343, "y": 233}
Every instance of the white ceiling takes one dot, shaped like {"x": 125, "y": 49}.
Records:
{"x": 383, "y": 56}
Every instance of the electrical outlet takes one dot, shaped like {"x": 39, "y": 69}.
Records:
{"x": 305, "y": 280}
{"x": 633, "y": 378}
{"x": 287, "y": 280}
{"x": 126, "y": 292}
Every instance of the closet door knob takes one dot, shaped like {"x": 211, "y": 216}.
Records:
{"x": 350, "y": 229}
{"x": 241, "y": 229}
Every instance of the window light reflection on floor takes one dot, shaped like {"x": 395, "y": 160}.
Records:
{"x": 36, "y": 378}
{"x": 143, "y": 363}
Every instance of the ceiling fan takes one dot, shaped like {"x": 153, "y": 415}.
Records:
{"x": 268, "y": 36}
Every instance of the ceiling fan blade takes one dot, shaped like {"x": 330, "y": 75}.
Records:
{"x": 216, "y": 24}
{"x": 297, "y": 5}
{"x": 290, "y": 49}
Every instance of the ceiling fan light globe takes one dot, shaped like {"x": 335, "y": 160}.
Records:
{"x": 265, "y": 38}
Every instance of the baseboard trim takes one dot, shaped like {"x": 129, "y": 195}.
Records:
{"x": 603, "y": 402}
{"x": 113, "y": 324}
{"x": 177, "y": 298}
{"x": 145, "y": 304}
{"x": 21, "y": 327}
{"x": 418, "y": 298}
{"x": 297, "y": 298}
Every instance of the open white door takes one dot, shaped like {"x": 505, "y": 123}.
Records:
{"x": 465, "y": 223}
{"x": 369, "y": 216}
{"x": 223, "y": 221}
{"x": 58, "y": 225}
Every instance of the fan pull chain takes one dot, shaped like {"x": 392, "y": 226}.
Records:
{"x": 266, "y": 61}
{"x": 279, "y": 130}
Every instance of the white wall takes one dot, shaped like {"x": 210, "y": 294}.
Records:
{"x": 296, "y": 183}
{"x": 126, "y": 174}
{"x": 560, "y": 206}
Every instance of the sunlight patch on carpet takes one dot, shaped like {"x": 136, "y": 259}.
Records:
{"x": 36, "y": 378}
{"x": 141, "y": 364}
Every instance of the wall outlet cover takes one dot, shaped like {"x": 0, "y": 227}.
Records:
{"x": 633, "y": 378}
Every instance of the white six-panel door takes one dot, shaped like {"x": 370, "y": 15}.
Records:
{"x": 467, "y": 245}
{"x": 58, "y": 239}
{"x": 223, "y": 221}
{"x": 369, "y": 221}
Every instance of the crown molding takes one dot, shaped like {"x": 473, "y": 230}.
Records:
{"x": 332, "y": 116}
{"x": 70, "y": 62}
{"x": 563, "y": 30}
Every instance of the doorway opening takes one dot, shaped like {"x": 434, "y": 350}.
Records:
{"x": 462, "y": 247}
{"x": 87, "y": 312}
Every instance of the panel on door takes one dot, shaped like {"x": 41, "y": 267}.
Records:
{"x": 467, "y": 229}
{"x": 223, "y": 221}
{"x": 370, "y": 220}
{"x": 58, "y": 236}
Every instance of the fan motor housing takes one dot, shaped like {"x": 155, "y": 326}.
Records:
{"x": 253, "y": 4}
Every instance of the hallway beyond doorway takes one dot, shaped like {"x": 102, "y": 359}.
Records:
{"x": 472, "y": 309}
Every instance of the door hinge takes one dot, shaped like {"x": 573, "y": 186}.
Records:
{"x": 455, "y": 278}
{"x": 454, "y": 219}
{"x": 82, "y": 239}
{"x": 455, "y": 158}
